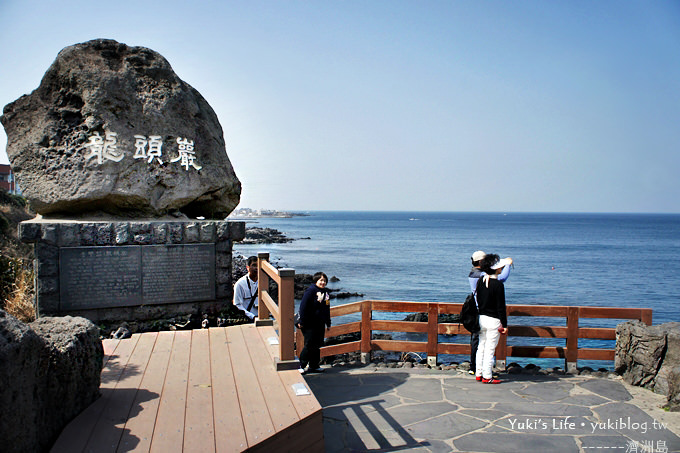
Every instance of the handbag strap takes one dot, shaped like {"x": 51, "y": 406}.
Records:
{"x": 252, "y": 296}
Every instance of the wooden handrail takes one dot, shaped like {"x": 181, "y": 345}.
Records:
{"x": 282, "y": 312}
{"x": 571, "y": 332}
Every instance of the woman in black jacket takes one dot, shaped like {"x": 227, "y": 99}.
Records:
{"x": 315, "y": 314}
{"x": 493, "y": 319}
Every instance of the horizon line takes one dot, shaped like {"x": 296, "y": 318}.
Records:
{"x": 294, "y": 211}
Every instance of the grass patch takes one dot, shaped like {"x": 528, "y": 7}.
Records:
{"x": 16, "y": 259}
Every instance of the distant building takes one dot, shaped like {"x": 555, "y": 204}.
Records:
{"x": 7, "y": 180}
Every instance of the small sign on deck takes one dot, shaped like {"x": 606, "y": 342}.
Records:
{"x": 300, "y": 389}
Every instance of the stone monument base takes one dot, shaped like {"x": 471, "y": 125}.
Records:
{"x": 131, "y": 270}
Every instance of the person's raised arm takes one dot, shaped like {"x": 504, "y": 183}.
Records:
{"x": 505, "y": 273}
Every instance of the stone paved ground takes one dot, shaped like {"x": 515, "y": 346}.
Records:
{"x": 374, "y": 409}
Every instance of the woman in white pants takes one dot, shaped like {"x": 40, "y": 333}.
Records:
{"x": 493, "y": 319}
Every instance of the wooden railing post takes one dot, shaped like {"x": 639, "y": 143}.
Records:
{"x": 571, "y": 356}
{"x": 283, "y": 309}
{"x": 287, "y": 309}
{"x": 366, "y": 315}
{"x": 432, "y": 333}
{"x": 262, "y": 285}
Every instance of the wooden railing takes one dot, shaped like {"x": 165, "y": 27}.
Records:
{"x": 282, "y": 311}
{"x": 571, "y": 353}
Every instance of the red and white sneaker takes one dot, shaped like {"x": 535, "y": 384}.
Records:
{"x": 491, "y": 381}
{"x": 479, "y": 378}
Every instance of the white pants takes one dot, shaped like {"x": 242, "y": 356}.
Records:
{"x": 488, "y": 339}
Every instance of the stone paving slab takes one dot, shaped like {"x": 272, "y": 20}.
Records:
{"x": 420, "y": 410}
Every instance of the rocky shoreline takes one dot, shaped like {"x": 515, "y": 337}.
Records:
{"x": 256, "y": 235}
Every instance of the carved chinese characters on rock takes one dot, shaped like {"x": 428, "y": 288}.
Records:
{"x": 187, "y": 155}
{"x": 104, "y": 148}
{"x": 148, "y": 148}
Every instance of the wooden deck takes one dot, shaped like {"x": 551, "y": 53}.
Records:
{"x": 210, "y": 390}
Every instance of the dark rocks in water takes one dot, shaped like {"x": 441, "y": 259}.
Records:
{"x": 344, "y": 294}
{"x": 303, "y": 281}
{"x": 113, "y": 131}
{"x": 334, "y": 279}
{"x": 353, "y": 356}
{"x": 442, "y": 318}
{"x": 257, "y": 235}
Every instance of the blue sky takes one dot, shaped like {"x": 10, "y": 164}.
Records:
{"x": 420, "y": 105}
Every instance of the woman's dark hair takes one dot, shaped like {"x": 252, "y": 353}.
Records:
{"x": 488, "y": 261}
{"x": 318, "y": 275}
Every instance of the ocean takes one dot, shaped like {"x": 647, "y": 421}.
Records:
{"x": 606, "y": 260}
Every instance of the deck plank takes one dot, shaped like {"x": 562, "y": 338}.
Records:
{"x": 304, "y": 436}
{"x": 169, "y": 430}
{"x": 281, "y": 408}
{"x": 199, "y": 434}
{"x": 230, "y": 435}
{"x": 305, "y": 405}
{"x": 75, "y": 435}
{"x": 140, "y": 425}
{"x": 109, "y": 347}
{"x": 256, "y": 420}
{"x": 109, "y": 428}
{"x": 202, "y": 390}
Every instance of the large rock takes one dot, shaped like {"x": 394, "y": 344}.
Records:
{"x": 649, "y": 356}
{"x": 49, "y": 373}
{"x": 70, "y": 374}
{"x": 639, "y": 352}
{"x": 20, "y": 357}
{"x": 112, "y": 130}
{"x": 673, "y": 403}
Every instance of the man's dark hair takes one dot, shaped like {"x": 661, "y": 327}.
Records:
{"x": 318, "y": 275}
{"x": 251, "y": 260}
{"x": 488, "y": 261}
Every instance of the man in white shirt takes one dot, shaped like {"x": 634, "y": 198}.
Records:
{"x": 245, "y": 290}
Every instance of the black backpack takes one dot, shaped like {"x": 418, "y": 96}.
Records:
{"x": 469, "y": 314}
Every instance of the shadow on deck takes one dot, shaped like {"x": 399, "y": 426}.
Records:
{"x": 203, "y": 390}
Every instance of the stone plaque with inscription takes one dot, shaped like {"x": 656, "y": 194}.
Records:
{"x": 94, "y": 277}
{"x": 103, "y": 277}
{"x": 178, "y": 273}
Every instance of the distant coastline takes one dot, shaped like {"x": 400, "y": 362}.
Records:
{"x": 247, "y": 213}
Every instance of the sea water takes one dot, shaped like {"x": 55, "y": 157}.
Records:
{"x": 602, "y": 260}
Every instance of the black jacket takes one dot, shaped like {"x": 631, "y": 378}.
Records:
{"x": 491, "y": 300}
{"x": 314, "y": 312}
